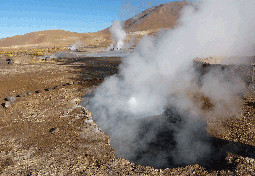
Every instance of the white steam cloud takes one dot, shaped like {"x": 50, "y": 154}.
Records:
{"x": 158, "y": 86}
{"x": 118, "y": 35}
{"x": 75, "y": 46}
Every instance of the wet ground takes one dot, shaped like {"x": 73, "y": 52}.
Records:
{"x": 45, "y": 131}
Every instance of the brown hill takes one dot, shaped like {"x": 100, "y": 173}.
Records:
{"x": 157, "y": 17}
{"x": 148, "y": 21}
{"x": 153, "y": 19}
{"x": 42, "y": 38}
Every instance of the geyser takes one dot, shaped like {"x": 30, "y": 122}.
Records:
{"x": 75, "y": 46}
{"x": 118, "y": 35}
{"x": 154, "y": 110}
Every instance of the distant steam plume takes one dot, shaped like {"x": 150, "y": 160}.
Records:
{"x": 75, "y": 46}
{"x": 155, "y": 109}
{"x": 118, "y": 35}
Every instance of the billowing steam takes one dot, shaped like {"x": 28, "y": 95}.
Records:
{"x": 155, "y": 109}
{"x": 75, "y": 46}
{"x": 118, "y": 35}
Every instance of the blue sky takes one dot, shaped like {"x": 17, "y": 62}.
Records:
{"x": 18, "y": 17}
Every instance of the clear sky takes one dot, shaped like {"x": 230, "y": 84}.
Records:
{"x": 18, "y": 17}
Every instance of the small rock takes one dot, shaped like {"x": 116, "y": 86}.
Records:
{"x": 53, "y": 130}
{"x": 7, "y": 104}
{"x": 3, "y": 105}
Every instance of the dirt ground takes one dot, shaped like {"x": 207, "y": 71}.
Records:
{"x": 45, "y": 131}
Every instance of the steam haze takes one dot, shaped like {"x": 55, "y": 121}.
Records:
{"x": 153, "y": 96}
{"x": 118, "y": 35}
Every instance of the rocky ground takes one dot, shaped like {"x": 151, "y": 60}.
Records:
{"x": 44, "y": 130}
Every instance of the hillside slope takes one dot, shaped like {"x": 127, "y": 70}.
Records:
{"x": 48, "y": 37}
{"x": 161, "y": 16}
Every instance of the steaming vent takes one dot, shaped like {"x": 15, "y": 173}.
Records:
{"x": 177, "y": 137}
{"x": 76, "y": 46}
{"x": 118, "y": 36}
{"x": 156, "y": 110}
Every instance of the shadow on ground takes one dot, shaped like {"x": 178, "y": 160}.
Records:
{"x": 178, "y": 150}
{"x": 92, "y": 70}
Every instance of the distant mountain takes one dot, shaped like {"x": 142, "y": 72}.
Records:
{"x": 148, "y": 21}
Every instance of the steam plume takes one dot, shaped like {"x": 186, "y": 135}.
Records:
{"x": 75, "y": 46}
{"x": 158, "y": 96}
{"x": 118, "y": 35}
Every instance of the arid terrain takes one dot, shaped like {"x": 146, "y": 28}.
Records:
{"x": 45, "y": 131}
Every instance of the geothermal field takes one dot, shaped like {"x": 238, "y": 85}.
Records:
{"x": 175, "y": 101}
